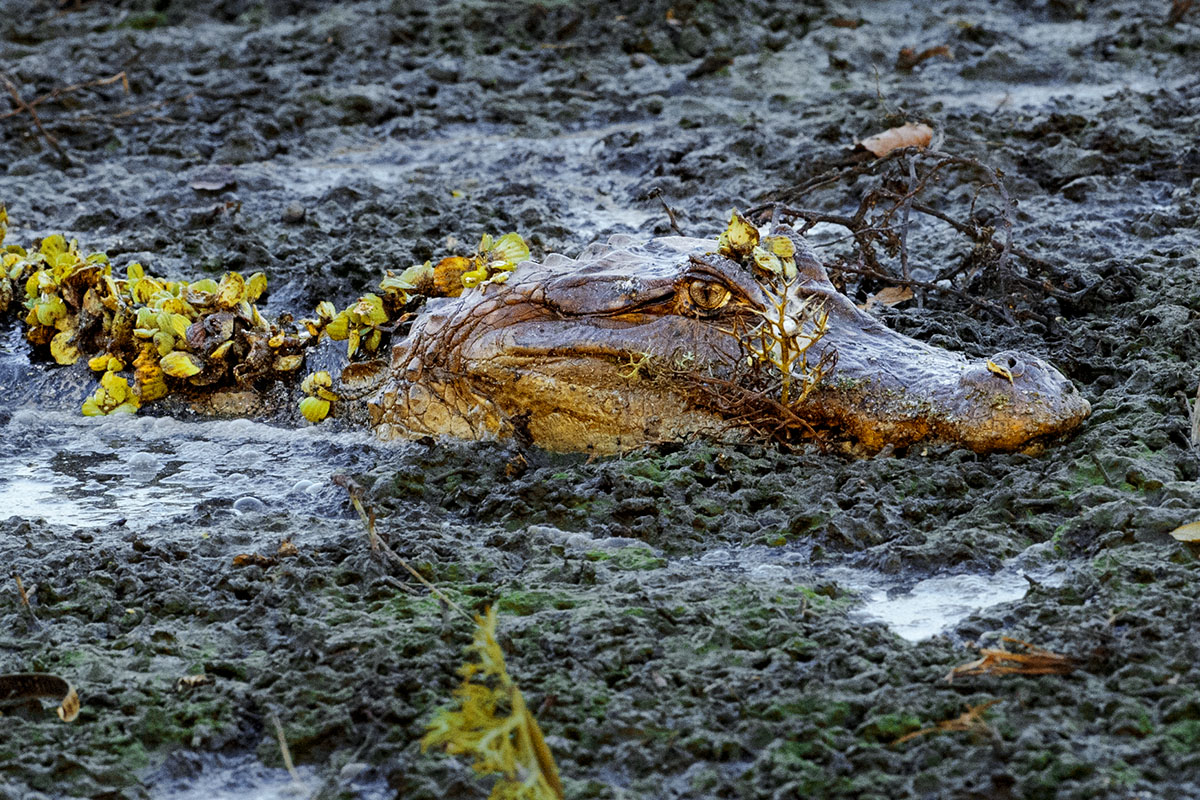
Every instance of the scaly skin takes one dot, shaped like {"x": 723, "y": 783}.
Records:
{"x": 553, "y": 355}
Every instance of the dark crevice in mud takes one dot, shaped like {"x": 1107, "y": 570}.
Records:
{"x": 675, "y": 615}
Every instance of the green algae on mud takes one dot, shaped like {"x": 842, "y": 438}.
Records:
{"x": 652, "y": 674}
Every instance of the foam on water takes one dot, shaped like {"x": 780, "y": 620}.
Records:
{"x": 79, "y": 471}
{"x": 241, "y": 776}
{"x": 915, "y": 611}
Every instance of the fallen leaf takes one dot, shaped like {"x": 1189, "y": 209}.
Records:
{"x": 909, "y": 58}
{"x": 888, "y": 296}
{"x": 998, "y": 369}
{"x": 192, "y": 681}
{"x": 214, "y": 180}
{"x": 31, "y": 685}
{"x": 1187, "y": 533}
{"x": 911, "y": 134}
{"x": 969, "y": 720}
{"x": 253, "y": 560}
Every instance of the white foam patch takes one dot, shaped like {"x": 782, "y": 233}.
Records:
{"x": 915, "y": 611}
{"x": 90, "y": 472}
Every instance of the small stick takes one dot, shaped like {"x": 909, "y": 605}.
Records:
{"x": 1196, "y": 419}
{"x": 74, "y": 87}
{"x": 378, "y": 545}
{"x": 283, "y": 751}
{"x": 908, "y": 202}
{"x": 24, "y": 597}
{"x": 658, "y": 192}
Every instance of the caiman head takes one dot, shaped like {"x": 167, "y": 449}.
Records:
{"x": 616, "y": 348}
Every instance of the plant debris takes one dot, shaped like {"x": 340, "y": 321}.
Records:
{"x": 969, "y": 720}
{"x": 1035, "y": 661}
{"x": 494, "y": 726}
{"x": 910, "y": 134}
{"x": 32, "y": 685}
{"x": 900, "y": 189}
{"x": 909, "y": 58}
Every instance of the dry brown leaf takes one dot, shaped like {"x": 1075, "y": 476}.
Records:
{"x": 909, "y": 57}
{"x": 447, "y": 276}
{"x": 31, "y": 685}
{"x": 1187, "y": 533}
{"x": 1036, "y": 661}
{"x": 911, "y": 134}
{"x": 888, "y": 296}
{"x": 253, "y": 560}
{"x": 192, "y": 681}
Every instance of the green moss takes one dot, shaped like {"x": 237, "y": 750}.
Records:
{"x": 523, "y": 603}
{"x": 889, "y": 727}
{"x": 637, "y": 558}
{"x": 1184, "y": 737}
{"x": 145, "y": 21}
{"x": 646, "y": 469}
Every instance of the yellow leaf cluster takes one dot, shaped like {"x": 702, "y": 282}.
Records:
{"x": 493, "y": 725}
{"x": 112, "y": 396}
{"x": 493, "y": 261}
{"x": 319, "y": 396}
{"x": 361, "y": 323}
{"x": 741, "y": 242}
{"x": 194, "y": 333}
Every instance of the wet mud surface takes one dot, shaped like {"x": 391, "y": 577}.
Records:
{"x": 687, "y": 621}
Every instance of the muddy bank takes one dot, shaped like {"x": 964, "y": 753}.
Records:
{"x": 676, "y": 616}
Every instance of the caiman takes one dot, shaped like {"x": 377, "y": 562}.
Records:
{"x": 595, "y": 353}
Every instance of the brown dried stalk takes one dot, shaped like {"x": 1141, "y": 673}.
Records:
{"x": 21, "y": 105}
{"x": 969, "y": 720}
{"x": 1035, "y": 661}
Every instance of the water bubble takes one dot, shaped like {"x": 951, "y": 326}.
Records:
{"x": 249, "y": 505}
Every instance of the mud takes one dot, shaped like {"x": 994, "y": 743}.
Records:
{"x": 688, "y": 621}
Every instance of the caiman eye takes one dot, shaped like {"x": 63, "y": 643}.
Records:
{"x": 707, "y": 296}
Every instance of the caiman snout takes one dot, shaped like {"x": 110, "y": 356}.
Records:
{"x": 1011, "y": 399}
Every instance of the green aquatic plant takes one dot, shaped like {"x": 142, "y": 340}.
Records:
{"x": 492, "y": 724}
{"x": 177, "y": 335}
{"x": 184, "y": 337}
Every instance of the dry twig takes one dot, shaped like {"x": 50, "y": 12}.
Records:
{"x": 25, "y": 598}
{"x": 21, "y": 105}
{"x": 379, "y": 546}
{"x": 887, "y": 210}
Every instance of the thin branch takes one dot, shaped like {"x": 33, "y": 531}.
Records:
{"x": 23, "y": 106}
